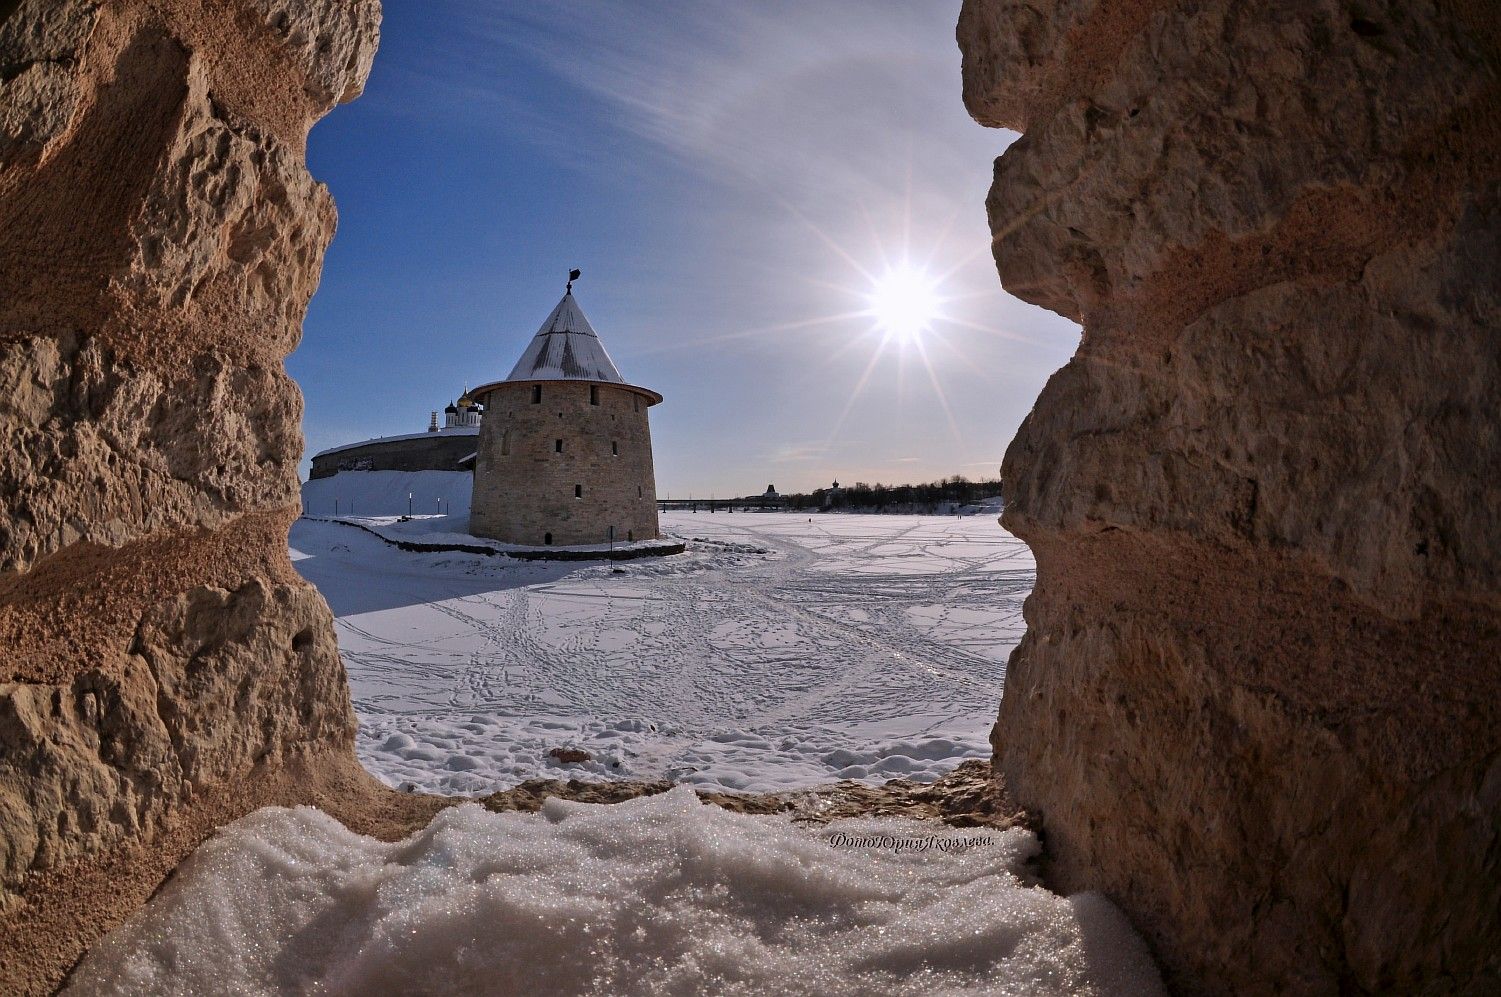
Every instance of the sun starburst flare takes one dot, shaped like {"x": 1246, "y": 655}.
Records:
{"x": 905, "y": 303}
{"x": 913, "y": 314}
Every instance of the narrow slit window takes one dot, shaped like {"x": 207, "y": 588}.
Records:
{"x": 630, "y": 535}
{"x": 636, "y": 403}
{"x": 557, "y": 446}
{"x": 578, "y": 491}
{"x": 547, "y": 539}
{"x": 638, "y": 491}
{"x": 593, "y": 394}
{"x": 536, "y": 394}
{"x": 505, "y": 443}
{"x": 615, "y": 448}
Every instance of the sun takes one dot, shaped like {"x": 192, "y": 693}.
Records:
{"x": 905, "y": 303}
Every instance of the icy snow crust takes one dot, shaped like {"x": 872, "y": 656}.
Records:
{"x": 661, "y": 895}
{"x": 776, "y": 653}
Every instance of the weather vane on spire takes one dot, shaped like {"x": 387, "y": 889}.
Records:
{"x": 573, "y": 275}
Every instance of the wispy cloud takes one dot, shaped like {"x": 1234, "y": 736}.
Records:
{"x": 830, "y": 111}
{"x": 797, "y": 452}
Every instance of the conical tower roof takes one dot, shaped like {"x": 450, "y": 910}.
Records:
{"x": 566, "y": 348}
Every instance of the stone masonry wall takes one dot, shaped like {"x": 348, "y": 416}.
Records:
{"x": 524, "y": 487}
{"x": 1257, "y": 699}
{"x": 164, "y": 668}
{"x": 434, "y": 452}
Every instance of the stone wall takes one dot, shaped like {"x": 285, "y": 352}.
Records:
{"x": 524, "y": 485}
{"x": 164, "y": 668}
{"x": 1257, "y": 699}
{"x": 438, "y": 451}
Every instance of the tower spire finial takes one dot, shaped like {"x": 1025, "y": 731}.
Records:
{"x": 573, "y": 275}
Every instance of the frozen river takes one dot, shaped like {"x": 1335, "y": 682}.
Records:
{"x": 779, "y": 652}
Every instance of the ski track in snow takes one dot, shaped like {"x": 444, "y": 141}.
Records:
{"x": 776, "y": 653}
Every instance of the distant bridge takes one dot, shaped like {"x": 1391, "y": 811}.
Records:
{"x": 719, "y": 504}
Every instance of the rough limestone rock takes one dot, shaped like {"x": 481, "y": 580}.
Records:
{"x": 1257, "y": 702}
{"x": 164, "y": 668}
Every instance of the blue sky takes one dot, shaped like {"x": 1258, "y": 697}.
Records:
{"x": 733, "y": 178}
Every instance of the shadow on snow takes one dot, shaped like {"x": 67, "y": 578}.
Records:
{"x": 358, "y": 573}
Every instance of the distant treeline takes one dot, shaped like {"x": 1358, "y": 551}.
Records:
{"x": 957, "y": 490}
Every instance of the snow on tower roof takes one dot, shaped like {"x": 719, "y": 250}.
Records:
{"x": 566, "y": 348}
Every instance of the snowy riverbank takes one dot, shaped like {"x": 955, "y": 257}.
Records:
{"x": 388, "y": 493}
{"x": 450, "y": 534}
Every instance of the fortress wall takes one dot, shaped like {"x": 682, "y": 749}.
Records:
{"x": 522, "y": 495}
{"x": 164, "y": 669}
{"x": 1257, "y": 698}
{"x": 430, "y": 453}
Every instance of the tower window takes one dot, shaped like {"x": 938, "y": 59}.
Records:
{"x": 578, "y": 491}
{"x": 505, "y": 443}
{"x": 536, "y": 394}
{"x": 557, "y": 446}
{"x": 630, "y": 535}
{"x": 615, "y": 447}
{"x": 593, "y": 394}
{"x": 636, "y": 402}
{"x": 638, "y": 492}
{"x": 547, "y": 539}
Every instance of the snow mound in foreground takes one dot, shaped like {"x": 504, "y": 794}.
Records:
{"x": 656, "y": 895}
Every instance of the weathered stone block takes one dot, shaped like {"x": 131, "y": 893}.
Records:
{"x": 165, "y": 670}
{"x": 1256, "y": 700}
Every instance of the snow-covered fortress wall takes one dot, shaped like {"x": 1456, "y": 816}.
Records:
{"x": 445, "y": 450}
{"x": 1257, "y": 700}
{"x": 164, "y": 668}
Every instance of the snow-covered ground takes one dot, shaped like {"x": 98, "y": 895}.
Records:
{"x": 384, "y": 493}
{"x": 780, "y": 651}
{"x": 776, "y": 653}
{"x": 660, "y": 895}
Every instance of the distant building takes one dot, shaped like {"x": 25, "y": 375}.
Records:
{"x": 451, "y": 448}
{"x": 770, "y": 493}
{"x": 466, "y": 413}
{"x": 565, "y": 447}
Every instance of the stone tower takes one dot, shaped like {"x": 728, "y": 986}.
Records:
{"x": 564, "y": 449}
